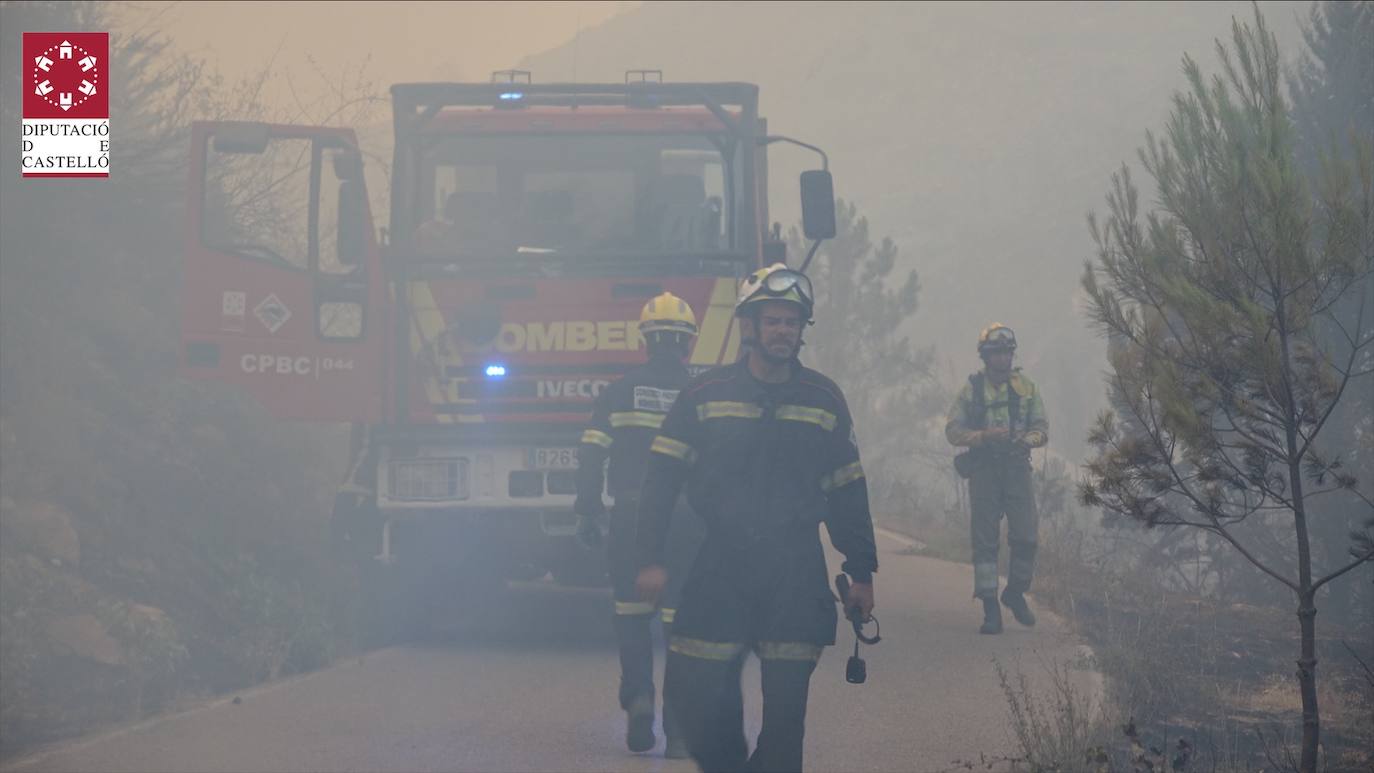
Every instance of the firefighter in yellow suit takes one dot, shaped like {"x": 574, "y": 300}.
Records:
{"x": 999, "y": 416}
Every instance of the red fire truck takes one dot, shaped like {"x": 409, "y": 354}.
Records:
{"x": 528, "y": 224}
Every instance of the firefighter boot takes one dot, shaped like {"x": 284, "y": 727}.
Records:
{"x": 676, "y": 748}
{"x": 639, "y": 725}
{"x": 1016, "y": 602}
{"x": 992, "y": 616}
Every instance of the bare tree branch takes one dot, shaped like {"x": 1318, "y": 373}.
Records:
{"x": 1368, "y": 555}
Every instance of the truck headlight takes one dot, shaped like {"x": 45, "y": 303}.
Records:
{"x": 427, "y": 480}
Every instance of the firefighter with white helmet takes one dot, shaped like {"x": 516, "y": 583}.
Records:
{"x": 766, "y": 452}
{"x": 999, "y": 417}
{"x": 625, "y": 419}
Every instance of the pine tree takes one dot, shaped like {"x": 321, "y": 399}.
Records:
{"x": 861, "y": 304}
{"x": 1333, "y": 83}
{"x": 1219, "y": 309}
{"x": 1333, "y": 97}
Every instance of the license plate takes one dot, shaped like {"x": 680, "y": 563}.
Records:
{"x": 552, "y": 459}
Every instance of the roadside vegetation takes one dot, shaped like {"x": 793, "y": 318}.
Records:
{"x": 160, "y": 540}
{"x": 863, "y": 306}
{"x": 1233, "y": 477}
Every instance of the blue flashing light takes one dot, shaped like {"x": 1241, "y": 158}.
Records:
{"x": 496, "y": 371}
{"x": 512, "y": 96}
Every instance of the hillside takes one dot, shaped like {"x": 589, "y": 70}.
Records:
{"x": 976, "y": 135}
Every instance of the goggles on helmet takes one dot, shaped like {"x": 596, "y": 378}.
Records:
{"x": 779, "y": 282}
{"x": 782, "y": 284}
{"x": 1001, "y": 337}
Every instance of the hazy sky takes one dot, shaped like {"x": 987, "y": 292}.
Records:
{"x": 400, "y": 41}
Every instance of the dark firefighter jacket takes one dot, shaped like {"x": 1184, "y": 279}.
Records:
{"x": 626, "y": 417}
{"x": 764, "y": 465}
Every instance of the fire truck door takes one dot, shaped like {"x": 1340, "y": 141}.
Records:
{"x": 283, "y": 292}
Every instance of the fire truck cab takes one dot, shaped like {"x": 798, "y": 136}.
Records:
{"x": 528, "y": 223}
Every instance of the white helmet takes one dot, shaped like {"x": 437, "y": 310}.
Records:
{"x": 776, "y": 283}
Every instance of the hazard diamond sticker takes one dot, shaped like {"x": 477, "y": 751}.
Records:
{"x": 272, "y": 313}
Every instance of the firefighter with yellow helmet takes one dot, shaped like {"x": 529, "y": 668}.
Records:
{"x": 625, "y": 419}
{"x": 999, "y": 417}
{"x": 765, "y": 450}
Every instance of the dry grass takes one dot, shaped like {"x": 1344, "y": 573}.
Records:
{"x": 1215, "y": 674}
{"x": 1059, "y": 729}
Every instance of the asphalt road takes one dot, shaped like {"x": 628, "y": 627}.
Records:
{"x": 536, "y": 691}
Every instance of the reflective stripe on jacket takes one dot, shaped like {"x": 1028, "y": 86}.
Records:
{"x": 625, "y": 418}
{"x": 763, "y": 464}
{"x": 963, "y": 428}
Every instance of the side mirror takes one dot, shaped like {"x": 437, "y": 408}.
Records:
{"x": 354, "y": 229}
{"x": 818, "y": 204}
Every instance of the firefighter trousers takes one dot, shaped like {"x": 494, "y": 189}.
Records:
{"x": 633, "y": 617}
{"x": 706, "y": 697}
{"x": 1003, "y": 487}
{"x": 635, "y": 641}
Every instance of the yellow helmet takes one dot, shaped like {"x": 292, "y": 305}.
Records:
{"x": 667, "y": 313}
{"x": 996, "y": 337}
{"x": 777, "y": 283}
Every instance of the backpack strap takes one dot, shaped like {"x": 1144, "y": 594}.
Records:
{"x": 977, "y": 417}
{"x": 978, "y": 409}
{"x": 1013, "y": 407}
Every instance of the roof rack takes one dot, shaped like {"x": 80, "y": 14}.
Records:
{"x": 734, "y": 104}
{"x": 510, "y": 76}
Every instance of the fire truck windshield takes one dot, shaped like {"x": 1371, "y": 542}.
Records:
{"x": 580, "y": 196}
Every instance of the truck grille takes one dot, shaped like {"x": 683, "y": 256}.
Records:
{"x": 428, "y": 480}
